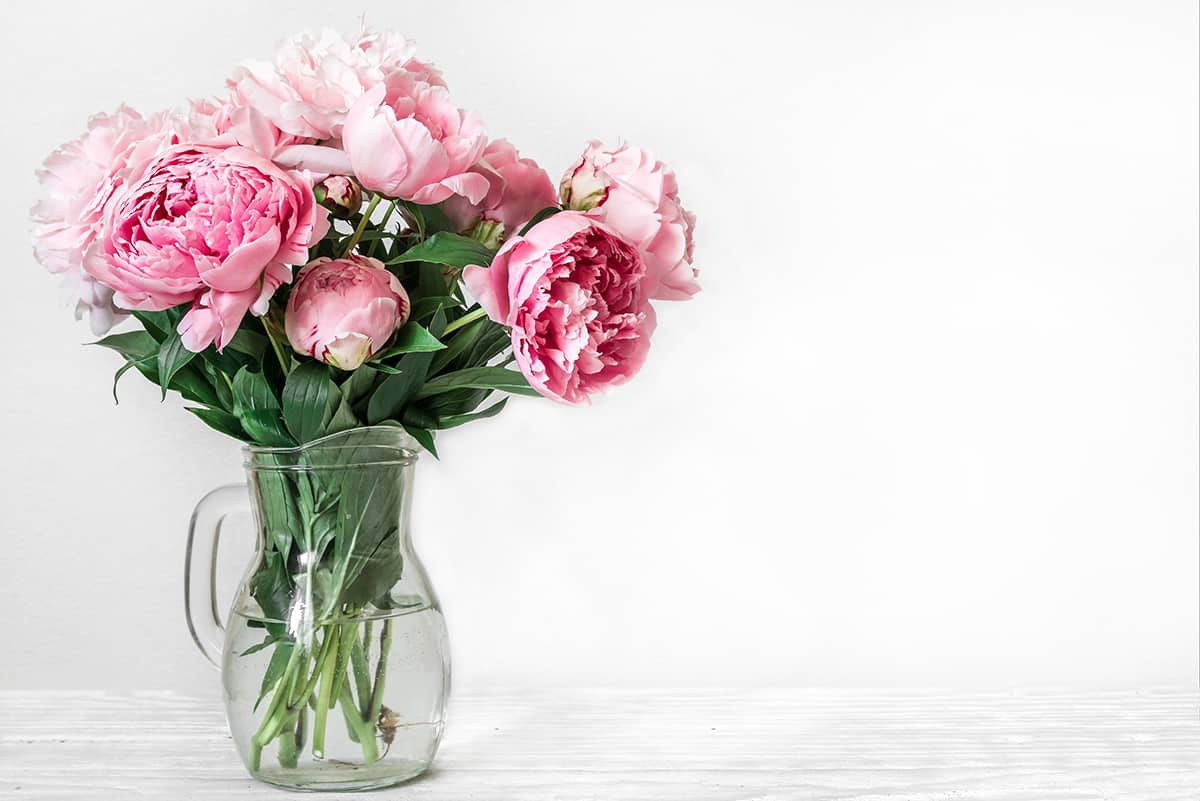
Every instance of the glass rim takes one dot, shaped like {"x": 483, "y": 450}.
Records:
{"x": 401, "y": 450}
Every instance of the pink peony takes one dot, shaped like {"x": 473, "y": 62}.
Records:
{"x": 214, "y": 227}
{"x": 344, "y": 311}
{"x": 573, "y": 294}
{"x": 77, "y": 180}
{"x": 314, "y": 80}
{"x": 223, "y": 123}
{"x": 637, "y": 196}
{"x": 407, "y": 140}
{"x": 517, "y": 189}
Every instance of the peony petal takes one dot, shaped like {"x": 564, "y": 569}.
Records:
{"x": 315, "y": 158}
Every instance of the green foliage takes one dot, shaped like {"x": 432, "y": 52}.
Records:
{"x": 435, "y": 374}
{"x": 395, "y": 391}
{"x": 449, "y": 249}
{"x": 309, "y": 400}
{"x": 478, "y": 378}
{"x": 258, "y": 409}
{"x": 413, "y": 338}
{"x": 219, "y": 420}
{"x": 172, "y": 357}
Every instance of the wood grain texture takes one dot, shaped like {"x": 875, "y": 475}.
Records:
{"x": 603, "y": 745}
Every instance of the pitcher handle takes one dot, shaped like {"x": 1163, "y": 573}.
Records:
{"x": 200, "y": 567}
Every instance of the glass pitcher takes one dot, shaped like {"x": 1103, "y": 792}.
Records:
{"x": 334, "y": 656}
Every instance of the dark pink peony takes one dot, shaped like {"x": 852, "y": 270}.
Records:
{"x": 572, "y": 292}
{"x": 217, "y": 227}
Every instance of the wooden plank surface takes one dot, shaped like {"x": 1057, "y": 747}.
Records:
{"x": 606, "y": 745}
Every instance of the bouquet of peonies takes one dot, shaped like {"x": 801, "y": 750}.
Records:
{"x": 335, "y": 209}
{"x": 332, "y": 244}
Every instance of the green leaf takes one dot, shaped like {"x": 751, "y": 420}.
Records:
{"x": 131, "y": 344}
{"x": 461, "y": 340}
{"x": 159, "y": 324}
{"x": 458, "y": 401}
{"x": 478, "y": 378}
{"x": 249, "y": 343}
{"x": 417, "y": 417}
{"x": 309, "y": 399}
{"x": 424, "y": 437}
{"x": 343, "y": 418}
{"x": 279, "y": 660}
{"x": 172, "y": 357}
{"x": 138, "y": 363}
{"x": 429, "y": 219}
{"x": 358, "y": 384}
{"x": 449, "y": 249}
{"x": 454, "y": 420}
{"x": 424, "y": 307}
{"x": 395, "y": 391}
{"x": 222, "y": 421}
{"x": 258, "y": 410}
{"x": 380, "y": 367}
{"x": 413, "y": 338}
{"x": 192, "y": 385}
{"x": 221, "y": 384}
{"x": 254, "y": 649}
{"x": 549, "y": 211}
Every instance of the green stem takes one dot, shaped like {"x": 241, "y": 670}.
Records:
{"x": 361, "y": 731}
{"x": 385, "y": 645}
{"x": 322, "y": 711}
{"x": 362, "y": 226}
{"x": 276, "y": 710}
{"x": 288, "y": 750}
{"x": 387, "y": 215}
{"x": 275, "y": 346}
{"x": 362, "y": 675}
{"x": 466, "y": 319}
{"x": 346, "y": 633}
{"x": 301, "y": 729}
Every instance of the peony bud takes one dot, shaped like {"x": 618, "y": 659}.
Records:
{"x": 340, "y": 194}
{"x": 344, "y": 311}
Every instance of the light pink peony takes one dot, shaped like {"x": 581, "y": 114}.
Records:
{"x": 77, "y": 180}
{"x": 517, "y": 189}
{"x": 315, "y": 79}
{"x": 407, "y": 140}
{"x": 214, "y": 227}
{"x": 344, "y": 311}
{"x": 573, "y": 294}
{"x": 637, "y": 196}
{"x": 223, "y": 123}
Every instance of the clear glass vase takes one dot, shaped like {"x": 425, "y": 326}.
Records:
{"x": 334, "y": 657}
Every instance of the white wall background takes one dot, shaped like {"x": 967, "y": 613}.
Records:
{"x": 933, "y": 420}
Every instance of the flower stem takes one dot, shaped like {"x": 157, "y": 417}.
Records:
{"x": 269, "y": 328}
{"x": 361, "y": 731}
{"x": 387, "y": 215}
{"x": 362, "y": 676}
{"x": 321, "y": 714}
{"x": 385, "y": 645}
{"x": 362, "y": 225}
{"x": 466, "y": 319}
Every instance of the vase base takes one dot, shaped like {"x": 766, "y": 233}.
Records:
{"x": 343, "y": 777}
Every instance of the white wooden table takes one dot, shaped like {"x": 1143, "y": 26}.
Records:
{"x": 764, "y": 745}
